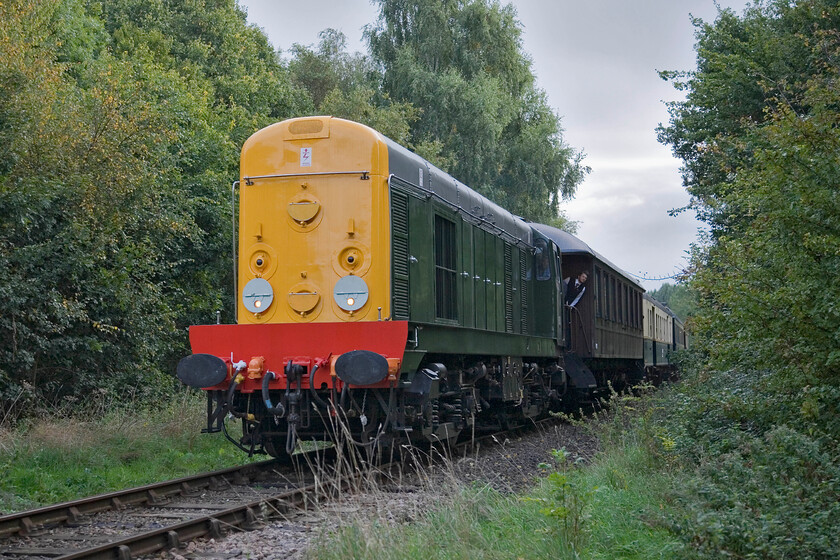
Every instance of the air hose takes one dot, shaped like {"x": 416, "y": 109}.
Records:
{"x": 278, "y": 411}
{"x": 318, "y": 400}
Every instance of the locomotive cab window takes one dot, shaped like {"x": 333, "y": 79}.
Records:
{"x": 446, "y": 301}
{"x": 543, "y": 259}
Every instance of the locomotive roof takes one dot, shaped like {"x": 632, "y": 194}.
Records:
{"x": 474, "y": 208}
{"x": 570, "y": 245}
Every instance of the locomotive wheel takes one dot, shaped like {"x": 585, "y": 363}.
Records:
{"x": 276, "y": 448}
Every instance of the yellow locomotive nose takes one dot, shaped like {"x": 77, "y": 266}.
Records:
{"x": 314, "y": 223}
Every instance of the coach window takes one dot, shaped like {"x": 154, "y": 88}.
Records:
{"x": 622, "y": 302}
{"x": 606, "y": 291}
{"x": 608, "y": 301}
{"x": 614, "y": 300}
{"x": 626, "y": 304}
{"x": 597, "y": 292}
{"x": 446, "y": 301}
{"x": 617, "y": 294}
{"x": 622, "y": 305}
{"x": 638, "y": 310}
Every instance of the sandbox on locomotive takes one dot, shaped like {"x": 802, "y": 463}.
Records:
{"x": 377, "y": 292}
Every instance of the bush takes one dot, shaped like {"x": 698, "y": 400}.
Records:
{"x": 762, "y": 475}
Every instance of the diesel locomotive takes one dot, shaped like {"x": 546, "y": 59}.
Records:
{"x": 377, "y": 292}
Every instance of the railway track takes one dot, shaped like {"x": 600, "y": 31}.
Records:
{"x": 163, "y": 516}
{"x": 144, "y": 520}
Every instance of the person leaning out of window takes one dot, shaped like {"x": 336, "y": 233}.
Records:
{"x": 574, "y": 289}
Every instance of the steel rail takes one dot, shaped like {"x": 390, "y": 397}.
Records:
{"x": 246, "y": 516}
{"x": 25, "y": 522}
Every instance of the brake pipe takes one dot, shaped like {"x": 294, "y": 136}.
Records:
{"x": 278, "y": 411}
{"x": 318, "y": 400}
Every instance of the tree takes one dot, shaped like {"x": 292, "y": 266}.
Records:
{"x": 678, "y": 297}
{"x": 745, "y": 66}
{"x": 762, "y": 170}
{"x": 120, "y": 126}
{"x": 461, "y": 64}
{"x": 347, "y": 86}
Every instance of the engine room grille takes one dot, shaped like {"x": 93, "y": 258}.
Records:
{"x": 399, "y": 236}
{"x": 508, "y": 288}
{"x": 523, "y": 290}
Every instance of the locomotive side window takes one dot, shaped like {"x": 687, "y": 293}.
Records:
{"x": 446, "y": 301}
{"x": 543, "y": 260}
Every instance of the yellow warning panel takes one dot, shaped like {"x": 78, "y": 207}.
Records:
{"x": 314, "y": 208}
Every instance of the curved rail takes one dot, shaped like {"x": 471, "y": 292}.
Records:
{"x": 25, "y": 522}
{"x": 246, "y": 516}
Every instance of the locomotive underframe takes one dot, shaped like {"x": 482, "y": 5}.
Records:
{"x": 439, "y": 403}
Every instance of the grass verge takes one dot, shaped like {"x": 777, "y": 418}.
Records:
{"x": 615, "y": 507}
{"x": 62, "y": 458}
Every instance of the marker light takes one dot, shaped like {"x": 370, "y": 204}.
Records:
{"x": 350, "y": 293}
{"x": 257, "y": 295}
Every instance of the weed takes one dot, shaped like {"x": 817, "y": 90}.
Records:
{"x": 64, "y": 457}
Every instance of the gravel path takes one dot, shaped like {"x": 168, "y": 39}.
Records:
{"x": 508, "y": 465}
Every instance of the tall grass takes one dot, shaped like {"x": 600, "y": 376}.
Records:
{"x": 610, "y": 508}
{"x": 65, "y": 455}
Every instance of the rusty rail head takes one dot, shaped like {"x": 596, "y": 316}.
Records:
{"x": 23, "y": 523}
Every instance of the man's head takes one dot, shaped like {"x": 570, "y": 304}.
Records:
{"x": 582, "y": 277}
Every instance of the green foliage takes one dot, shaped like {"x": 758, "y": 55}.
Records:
{"x": 120, "y": 124}
{"x": 772, "y": 497}
{"x": 478, "y": 523}
{"x": 765, "y": 177}
{"x": 760, "y": 465}
{"x": 462, "y": 65}
{"x": 565, "y": 501}
{"x": 329, "y": 67}
{"x": 612, "y": 508}
{"x": 346, "y": 86}
{"x": 120, "y": 128}
{"x": 745, "y": 66}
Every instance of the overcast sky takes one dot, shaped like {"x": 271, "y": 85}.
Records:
{"x": 597, "y": 60}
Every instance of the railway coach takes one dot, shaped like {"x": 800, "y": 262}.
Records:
{"x": 605, "y": 327}
{"x": 664, "y": 334}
